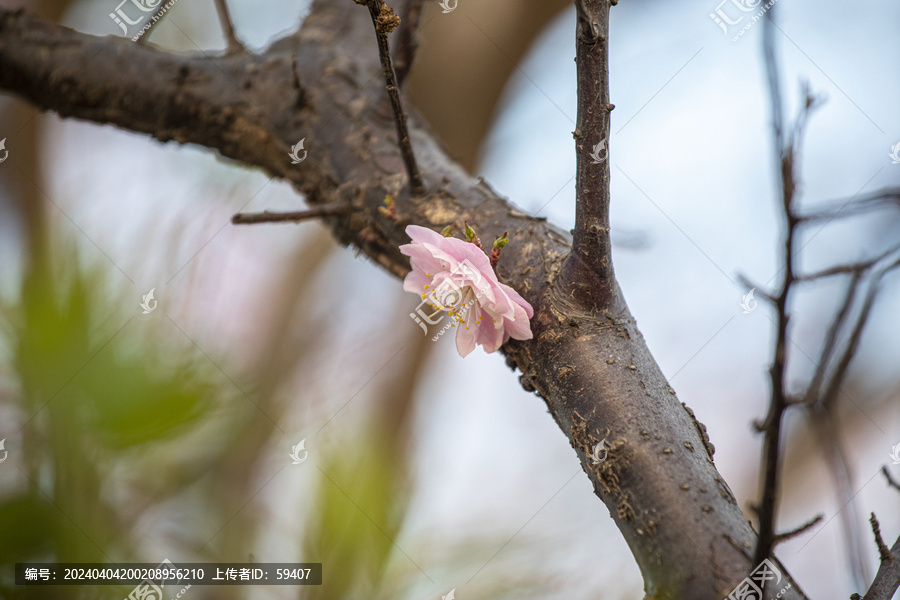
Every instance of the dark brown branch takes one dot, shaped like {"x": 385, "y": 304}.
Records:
{"x": 234, "y": 45}
{"x": 787, "y": 151}
{"x": 289, "y": 217}
{"x": 587, "y": 279}
{"x": 840, "y": 371}
{"x": 407, "y": 39}
{"x": 883, "y": 551}
{"x": 848, "y": 269}
{"x": 385, "y": 21}
{"x": 887, "y": 580}
{"x": 789, "y": 535}
{"x": 246, "y": 107}
{"x": 890, "y": 480}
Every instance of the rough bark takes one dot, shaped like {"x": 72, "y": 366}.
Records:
{"x": 592, "y": 368}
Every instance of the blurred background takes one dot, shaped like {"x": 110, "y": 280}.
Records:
{"x": 136, "y": 437}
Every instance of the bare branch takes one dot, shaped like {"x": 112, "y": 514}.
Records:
{"x": 883, "y": 551}
{"x": 779, "y": 402}
{"x": 788, "y": 535}
{"x": 385, "y": 21}
{"x": 887, "y": 580}
{"x": 234, "y": 45}
{"x": 325, "y": 210}
{"x": 890, "y": 480}
{"x": 848, "y": 269}
{"x": 812, "y": 394}
{"x": 587, "y": 279}
{"x": 856, "y": 205}
{"x": 840, "y": 371}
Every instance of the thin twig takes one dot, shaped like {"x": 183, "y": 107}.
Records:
{"x": 831, "y": 392}
{"x": 234, "y": 45}
{"x": 787, "y": 151}
{"x": 407, "y": 39}
{"x": 887, "y": 579}
{"x": 890, "y": 480}
{"x": 856, "y": 205}
{"x": 852, "y": 268}
{"x": 327, "y": 210}
{"x": 838, "y": 464}
{"x": 787, "y": 535}
{"x": 815, "y": 385}
{"x": 883, "y": 551}
{"x": 385, "y": 21}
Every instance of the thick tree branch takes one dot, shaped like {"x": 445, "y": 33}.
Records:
{"x": 593, "y": 370}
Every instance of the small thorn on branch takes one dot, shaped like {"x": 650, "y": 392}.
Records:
{"x": 385, "y": 21}
{"x": 326, "y": 210}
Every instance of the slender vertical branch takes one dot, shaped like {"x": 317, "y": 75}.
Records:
{"x": 587, "y": 277}
{"x": 385, "y": 22}
{"x": 234, "y": 45}
{"x": 787, "y": 151}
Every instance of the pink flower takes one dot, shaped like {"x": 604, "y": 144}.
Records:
{"x": 453, "y": 275}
